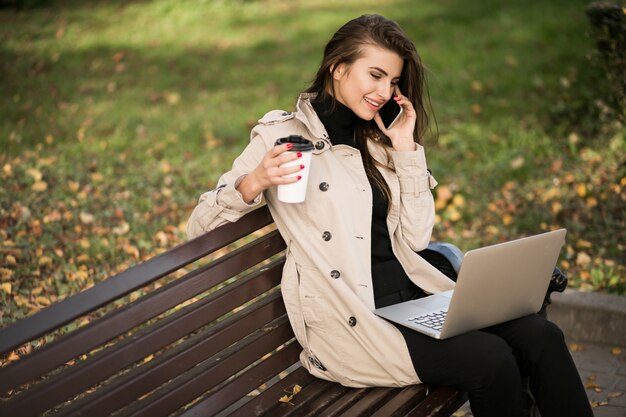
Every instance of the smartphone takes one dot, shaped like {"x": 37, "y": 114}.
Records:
{"x": 390, "y": 113}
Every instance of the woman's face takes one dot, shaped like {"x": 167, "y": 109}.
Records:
{"x": 367, "y": 84}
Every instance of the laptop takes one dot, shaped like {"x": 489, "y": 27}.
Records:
{"x": 495, "y": 284}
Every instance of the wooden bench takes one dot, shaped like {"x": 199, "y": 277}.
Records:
{"x": 199, "y": 330}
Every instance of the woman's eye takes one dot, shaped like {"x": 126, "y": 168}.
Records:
{"x": 375, "y": 76}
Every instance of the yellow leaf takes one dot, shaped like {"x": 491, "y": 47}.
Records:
{"x": 285, "y": 399}
{"x": 86, "y": 218}
{"x": 13, "y": 357}
{"x": 581, "y": 190}
{"x": 97, "y": 177}
{"x": 165, "y": 167}
{"x": 74, "y": 186}
{"x": 43, "y": 301}
{"x": 35, "y": 173}
{"x": 583, "y": 259}
{"x": 36, "y": 290}
{"x": 296, "y": 389}
{"x": 44, "y": 261}
{"x": 476, "y": 108}
{"x": 616, "y": 351}
{"x": 6, "y": 273}
{"x": 575, "y": 347}
{"x": 122, "y": 229}
{"x": 517, "y": 163}
{"x": 507, "y": 219}
{"x": 39, "y": 186}
{"x": 556, "y": 207}
{"x": 458, "y": 201}
{"x": 6, "y": 287}
{"x": 7, "y": 170}
{"x": 148, "y": 358}
{"x": 10, "y": 259}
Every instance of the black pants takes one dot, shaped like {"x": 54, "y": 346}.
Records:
{"x": 489, "y": 365}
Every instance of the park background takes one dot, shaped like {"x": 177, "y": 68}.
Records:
{"x": 116, "y": 115}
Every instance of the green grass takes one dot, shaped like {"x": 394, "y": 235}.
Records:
{"x": 129, "y": 110}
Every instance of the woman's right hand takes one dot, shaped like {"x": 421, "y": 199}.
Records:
{"x": 269, "y": 173}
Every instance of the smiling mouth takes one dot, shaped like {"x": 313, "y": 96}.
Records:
{"x": 372, "y": 102}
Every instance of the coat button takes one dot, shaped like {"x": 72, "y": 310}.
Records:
{"x": 352, "y": 321}
{"x": 324, "y": 186}
{"x": 319, "y": 145}
{"x": 326, "y": 236}
{"x": 335, "y": 274}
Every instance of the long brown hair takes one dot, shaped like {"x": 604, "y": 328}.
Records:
{"x": 345, "y": 47}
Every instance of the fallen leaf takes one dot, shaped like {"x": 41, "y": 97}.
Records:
{"x": 614, "y": 394}
{"x": 616, "y": 351}
{"x": 122, "y": 229}
{"x": 35, "y": 174}
{"x": 6, "y": 287}
{"x": 583, "y": 259}
{"x": 86, "y": 218}
{"x": 7, "y": 170}
{"x": 575, "y": 347}
{"x": 591, "y": 383}
{"x": 39, "y": 186}
{"x": 518, "y": 162}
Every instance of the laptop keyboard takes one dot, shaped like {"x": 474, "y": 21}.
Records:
{"x": 433, "y": 320}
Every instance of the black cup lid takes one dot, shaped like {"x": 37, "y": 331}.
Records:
{"x": 299, "y": 143}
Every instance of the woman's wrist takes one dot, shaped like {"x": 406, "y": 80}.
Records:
{"x": 249, "y": 188}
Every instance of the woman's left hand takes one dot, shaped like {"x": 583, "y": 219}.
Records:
{"x": 401, "y": 134}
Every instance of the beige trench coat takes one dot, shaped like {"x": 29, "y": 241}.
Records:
{"x": 327, "y": 283}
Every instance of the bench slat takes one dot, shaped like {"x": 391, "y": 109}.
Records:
{"x": 221, "y": 398}
{"x": 170, "y": 365}
{"x": 78, "y": 305}
{"x": 442, "y": 401}
{"x": 124, "y": 319}
{"x": 212, "y": 372}
{"x": 404, "y": 400}
{"x": 76, "y": 379}
{"x": 268, "y": 399}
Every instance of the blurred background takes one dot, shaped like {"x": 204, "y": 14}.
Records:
{"x": 116, "y": 115}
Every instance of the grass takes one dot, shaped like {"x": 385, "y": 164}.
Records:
{"x": 116, "y": 115}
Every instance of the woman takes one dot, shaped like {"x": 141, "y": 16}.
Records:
{"x": 352, "y": 243}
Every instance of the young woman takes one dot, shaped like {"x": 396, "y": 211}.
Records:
{"x": 352, "y": 243}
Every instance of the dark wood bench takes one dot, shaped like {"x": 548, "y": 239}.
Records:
{"x": 199, "y": 330}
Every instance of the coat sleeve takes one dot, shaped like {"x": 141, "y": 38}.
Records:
{"x": 224, "y": 203}
{"x": 417, "y": 207}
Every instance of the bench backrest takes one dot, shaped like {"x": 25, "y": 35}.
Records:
{"x": 168, "y": 334}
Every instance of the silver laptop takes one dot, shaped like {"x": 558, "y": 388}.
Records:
{"x": 495, "y": 284}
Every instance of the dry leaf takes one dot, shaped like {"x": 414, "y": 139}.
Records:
{"x": 39, "y": 186}
{"x": 575, "y": 347}
{"x": 35, "y": 173}
{"x": 86, "y": 218}
{"x": 6, "y": 287}
{"x": 614, "y": 394}
{"x": 616, "y": 351}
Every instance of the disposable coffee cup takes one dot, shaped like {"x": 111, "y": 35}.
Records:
{"x": 296, "y": 191}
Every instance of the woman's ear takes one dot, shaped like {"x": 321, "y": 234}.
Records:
{"x": 338, "y": 71}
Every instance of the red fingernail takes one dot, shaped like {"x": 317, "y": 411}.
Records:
{"x": 299, "y": 177}
{"x": 299, "y": 154}
{"x": 289, "y": 145}
{"x": 301, "y": 166}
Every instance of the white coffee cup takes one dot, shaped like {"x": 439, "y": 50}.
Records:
{"x": 296, "y": 191}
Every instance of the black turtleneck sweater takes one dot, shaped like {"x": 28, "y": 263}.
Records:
{"x": 391, "y": 284}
